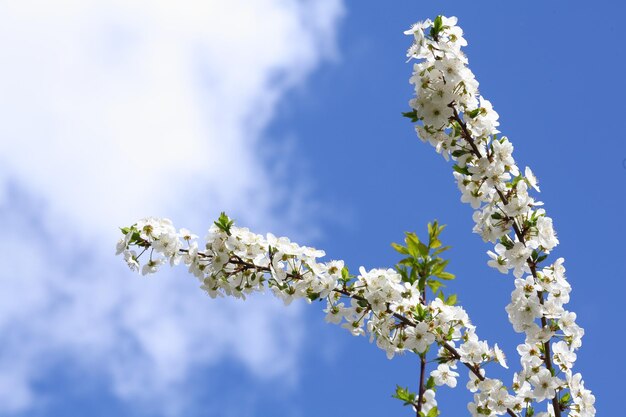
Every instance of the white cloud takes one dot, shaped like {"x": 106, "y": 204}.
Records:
{"x": 114, "y": 110}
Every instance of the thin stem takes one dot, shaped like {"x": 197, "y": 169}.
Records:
{"x": 420, "y": 397}
{"x": 422, "y": 388}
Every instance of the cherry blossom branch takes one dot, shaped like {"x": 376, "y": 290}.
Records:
{"x": 236, "y": 262}
{"x": 344, "y": 291}
{"x": 462, "y": 126}
{"x": 390, "y": 305}
{"x": 547, "y": 357}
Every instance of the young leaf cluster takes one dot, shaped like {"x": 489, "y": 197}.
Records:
{"x": 423, "y": 264}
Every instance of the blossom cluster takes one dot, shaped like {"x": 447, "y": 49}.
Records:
{"x": 381, "y": 303}
{"x": 462, "y": 126}
{"x": 391, "y": 305}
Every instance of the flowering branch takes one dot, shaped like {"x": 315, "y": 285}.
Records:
{"x": 388, "y": 304}
{"x": 391, "y": 304}
{"x": 462, "y": 126}
{"x": 520, "y": 236}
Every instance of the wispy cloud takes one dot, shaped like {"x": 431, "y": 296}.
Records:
{"x": 113, "y": 110}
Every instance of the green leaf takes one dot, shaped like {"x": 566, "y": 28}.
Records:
{"x": 434, "y": 412}
{"x": 436, "y": 28}
{"x": 423, "y": 249}
{"x": 407, "y": 261}
{"x": 313, "y": 295}
{"x": 136, "y": 239}
{"x": 404, "y": 273}
{"x": 434, "y": 285}
{"x": 403, "y": 394}
{"x": 473, "y": 113}
{"x": 440, "y": 265}
{"x": 400, "y": 248}
{"x": 516, "y": 180}
{"x": 430, "y": 383}
{"x": 224, "y": 223}
{"x": 412, "y": 244}
{"x": 445, "y": 275}
{"x": 440, "y": 250}
{"x": 506, "y": 242}
{"x": 420, "y": 313}
{"x": 345, "y": 274}
{"x": 464, "y": 170}
{"x": 451, "y": 300}
{"x": 411, "y": 115}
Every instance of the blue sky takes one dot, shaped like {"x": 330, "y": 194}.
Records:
{"x": 286, "y": 115}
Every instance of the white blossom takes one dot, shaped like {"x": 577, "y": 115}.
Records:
{"x": 444, "y": 375}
